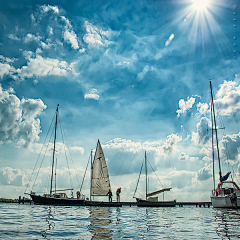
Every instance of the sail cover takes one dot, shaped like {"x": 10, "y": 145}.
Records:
{"x": 159, "y": 191}
{"x": 100, "y": 183}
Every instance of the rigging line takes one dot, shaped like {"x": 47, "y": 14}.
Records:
{"x": 155, "y": 173}
{"x": 85, "y": 173}
{"x": 71, "y": 182}
{"x": 42, "y": 160}
{"x": 138, "y": 178}
{"x": 64, "y": 137}
{"x": 224, "y": 142}
{"x": 39, "y": 155}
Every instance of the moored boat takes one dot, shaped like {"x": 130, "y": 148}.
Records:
{"x": 149, "y": 200}
{"x": 227, "y": 193}
{"x": 100, "y": 182}
{"x": 56, "y": 197}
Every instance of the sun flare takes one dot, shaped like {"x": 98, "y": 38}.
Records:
{"x": 200, "y": 5}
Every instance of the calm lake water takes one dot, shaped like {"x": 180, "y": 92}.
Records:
{"x": 56, "y": 222}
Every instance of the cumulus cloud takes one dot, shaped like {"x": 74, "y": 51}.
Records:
{"x": 228, "y": 98}
{"x": 47, "y": 8}
{"x": 30, "y": 37}
{"x": 71, "y": 37}
{"x": 128, "y": 146}
{"x": 204, "y": 173}
{"x": 171, "y": 141}
{"x": 10, "y": 176}
{"x": 6, "y": 69}
{"x": 92, "y": 94}
{"x": 202, "y": 108}
{"x": 39, "y": 66}
{"x": 229, "y": 146}
{"x": 13, "y": 37}
{"x": 95, "y": 37}
{"x": 18, "y": 118}
{"x": 183, "y": 157}
{"x": 202, "y": 136}
{"x": 185, "y": 105}
{"x": 77, "y": 149}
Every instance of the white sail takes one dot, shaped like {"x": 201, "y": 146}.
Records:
{"x": 100, "y": 183}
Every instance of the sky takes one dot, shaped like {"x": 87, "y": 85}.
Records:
{"x": 133, "y": 74}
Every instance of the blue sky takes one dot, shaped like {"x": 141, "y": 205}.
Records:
{"x": 134, "y": 75}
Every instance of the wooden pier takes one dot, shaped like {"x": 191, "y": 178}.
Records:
{"x": 197, "y": 204}
{"x": 24, "y": 200}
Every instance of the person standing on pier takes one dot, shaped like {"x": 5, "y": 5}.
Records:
{"x": 118, "y": 194}
{"x": 109, "y": 195}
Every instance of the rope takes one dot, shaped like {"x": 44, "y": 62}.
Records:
{"x": 85, "y": 173}
{"x": 39, "y": 157}
{"x": 138, "y": 179}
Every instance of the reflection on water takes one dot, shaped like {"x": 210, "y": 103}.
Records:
{"x": 99, "y": 222}
{"x": 228, "y": 222}
{"x": 49, "y": 220}
{"x": 58, "y": 222}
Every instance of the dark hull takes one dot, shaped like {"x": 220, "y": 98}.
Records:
{"x": 41, "y": 200}
{"x": 144, "y": 203}
{"x": 103, "y": 204}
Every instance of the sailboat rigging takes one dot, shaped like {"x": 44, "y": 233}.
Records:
{"x": 150, "y": 201}
{"x": 222, "y": 197}
{"x": 55, "y": 197}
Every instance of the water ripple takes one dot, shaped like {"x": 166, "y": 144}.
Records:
{"x": 56, "y": 222}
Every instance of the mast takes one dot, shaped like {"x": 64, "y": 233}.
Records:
{"x": 215, "y": 128}
{"x": 146, "y": 172}
{"x": 54, "y": 145}
{"x": 91, "y": 179}
{"x": 213, "y": 149}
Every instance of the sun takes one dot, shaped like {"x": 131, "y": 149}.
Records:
{"x": 200, "y": 5}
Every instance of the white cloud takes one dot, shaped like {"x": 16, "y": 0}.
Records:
{"x": 202, "y": 135}
{"x": 167, "y": 147}
{"x": 202, "y": 108}
{"x": 184, "y": 106}
{"x": 77, "y": 149}
{"x": 47, "y": 8}
{"x": 183, "y": 157}
{"x": 169, "y": 144}
{"x": 92, "y": 94}
{"x": 39, "y": 66}
{"x": 204, "y": 173}
{"x": 95, "y": 37}
{"x": 6, "y": 69}
{"x": 30, "y": 37}
{"x": 229, "y": 146}
{"x": 13, "y": 37}
{"x": 18, "y": 118}
{"x": 228, "y": 98}
{"x": 71, "y": 37}
{"x": 10, "y": 176}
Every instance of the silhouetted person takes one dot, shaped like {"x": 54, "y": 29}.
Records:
{"x": 118, "y": 194}
{"x": 109, "y": 195}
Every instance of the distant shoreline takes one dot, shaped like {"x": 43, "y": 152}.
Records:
{"x": 5, "y": 200}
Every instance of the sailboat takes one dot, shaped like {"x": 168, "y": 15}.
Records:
{"x": 56, "y": 197}
{"x": 150, "y": 201}
{"x": 227, "y": 194}
{"x": 100, "y": 182}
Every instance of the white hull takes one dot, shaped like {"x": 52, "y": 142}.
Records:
{"x": 224, "y": 202}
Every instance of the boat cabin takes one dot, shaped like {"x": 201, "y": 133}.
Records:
{"x": 60, "y": 195}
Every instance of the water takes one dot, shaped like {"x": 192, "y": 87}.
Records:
{"x": 56, "y": 222}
